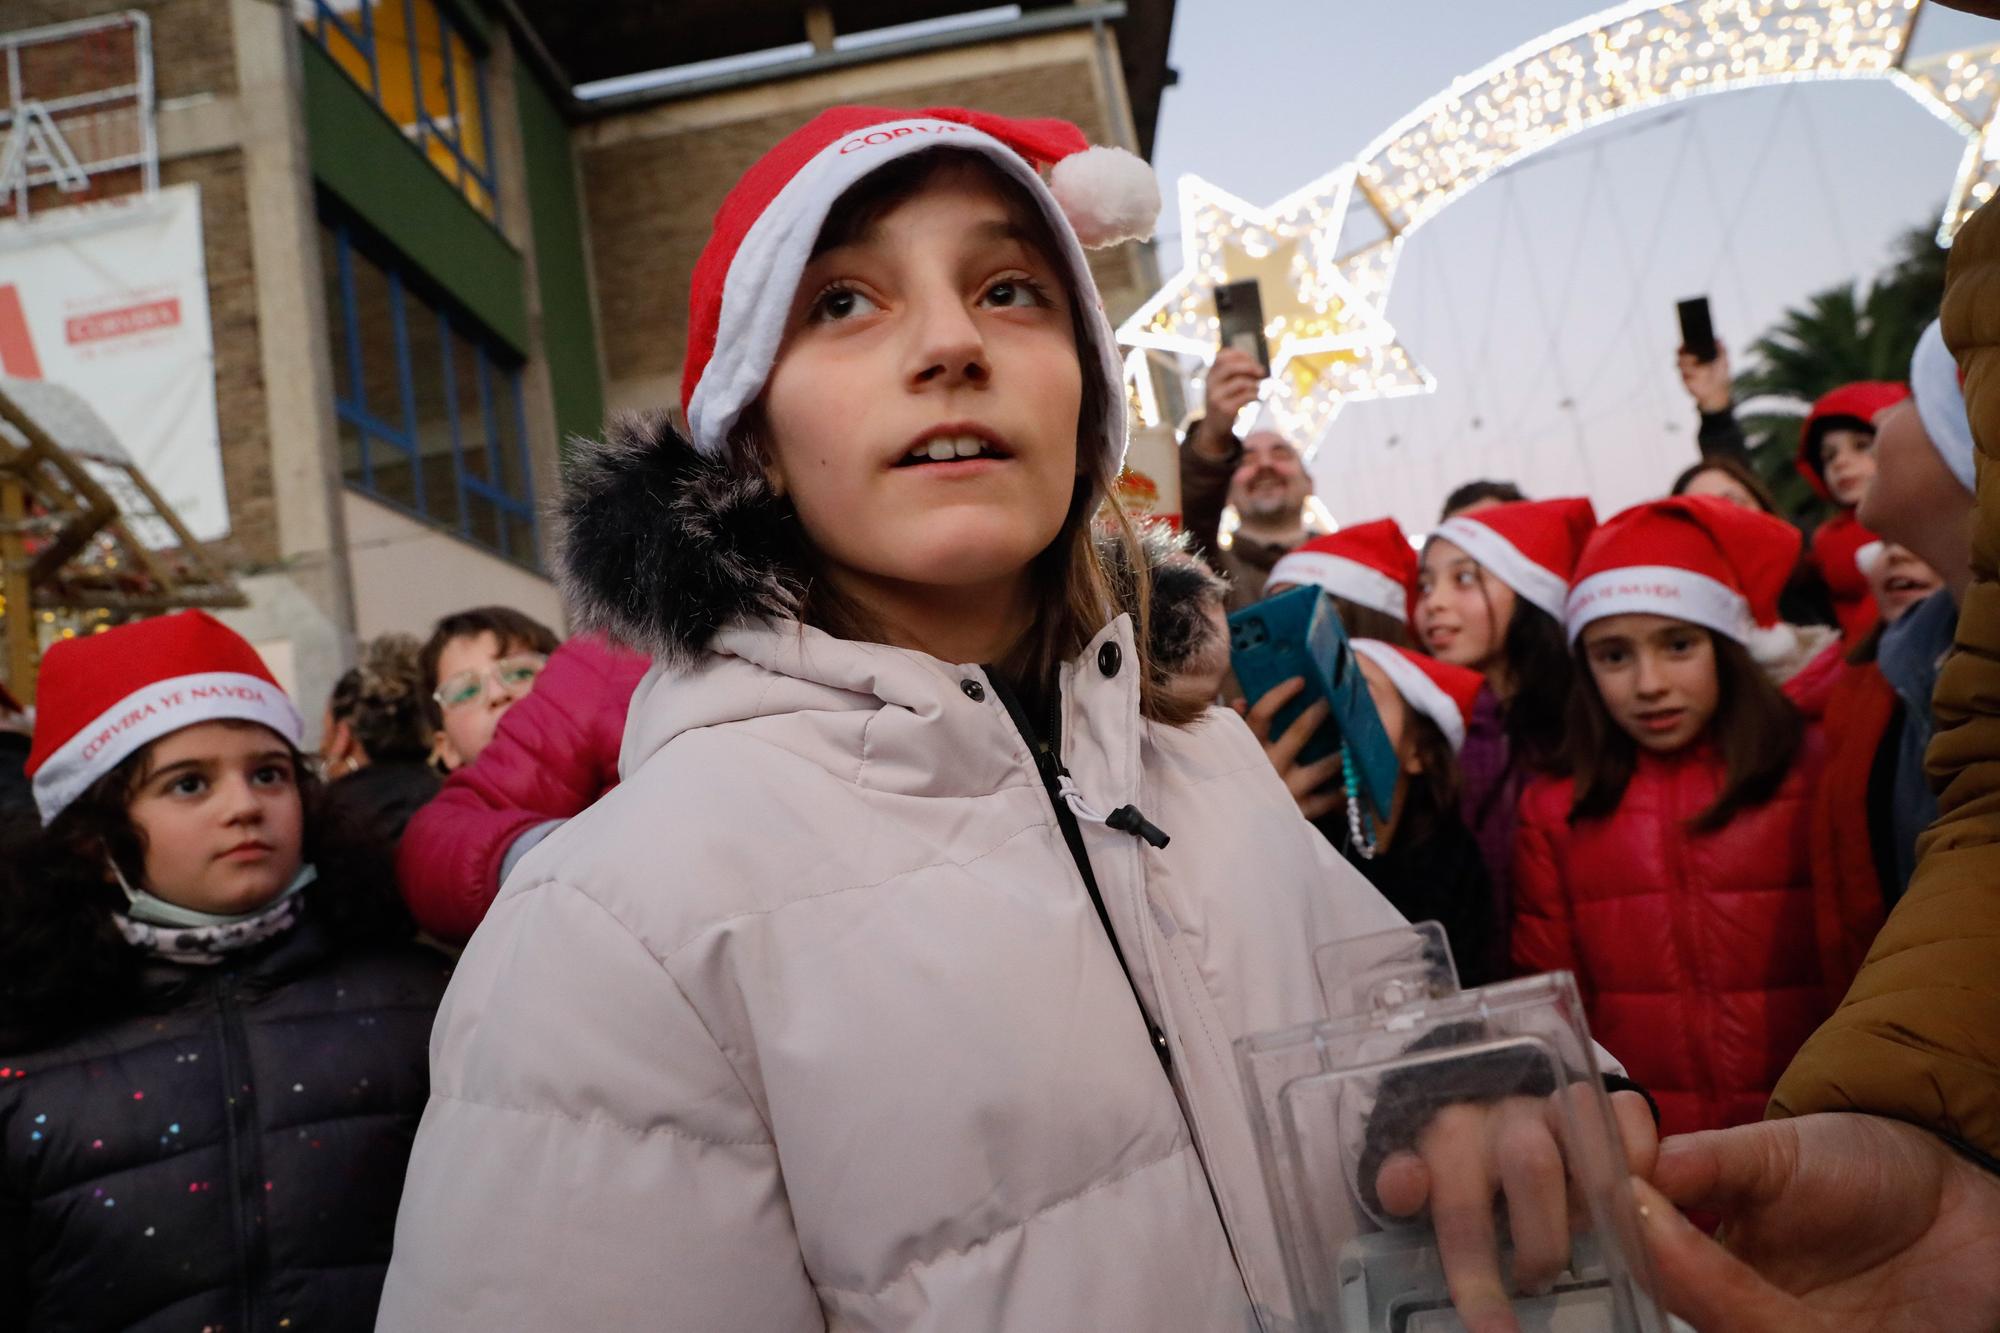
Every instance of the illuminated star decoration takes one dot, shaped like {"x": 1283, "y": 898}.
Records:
{"x": 1323, "y": 320}
{"x": 1963, "y": 89}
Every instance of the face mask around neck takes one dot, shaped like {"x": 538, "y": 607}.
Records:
{"x": 155, "y": 911}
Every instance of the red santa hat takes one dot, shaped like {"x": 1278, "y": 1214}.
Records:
{"x": 1850, "y": 407}
{"x": 1370, "y": 564}
{"x": 1529, "y": 545}
{"x": 748, "y": 273}
{"x": 104, "y": 696}
{"x": 1440, "y": 691}
{"x": 1694, "y": 558}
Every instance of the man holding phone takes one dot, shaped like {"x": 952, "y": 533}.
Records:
{"x": 1264, "y": 476}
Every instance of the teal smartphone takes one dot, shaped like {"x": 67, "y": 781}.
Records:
{"x": 1298, "y": 633}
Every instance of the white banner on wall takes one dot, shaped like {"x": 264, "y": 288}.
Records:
{"x": 111, "y": 300}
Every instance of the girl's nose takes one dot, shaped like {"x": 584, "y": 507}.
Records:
{"x": 950, "y": 350}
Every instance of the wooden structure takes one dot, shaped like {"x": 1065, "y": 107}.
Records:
{"x": 85, "y": 540}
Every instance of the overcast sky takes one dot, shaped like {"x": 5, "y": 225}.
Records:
{"x": 1543, "y": 300}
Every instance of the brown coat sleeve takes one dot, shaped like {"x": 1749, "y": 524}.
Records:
{"x": 1918, "y": 1036}
{"x": 1204, "y": 492}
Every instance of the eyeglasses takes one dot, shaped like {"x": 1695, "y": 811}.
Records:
{"x": 514, "y": 675}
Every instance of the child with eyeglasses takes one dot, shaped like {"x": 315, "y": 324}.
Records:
{"x": 478, "y": 664}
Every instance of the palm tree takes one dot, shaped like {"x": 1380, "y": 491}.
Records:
{"x": 1838, "y": 336}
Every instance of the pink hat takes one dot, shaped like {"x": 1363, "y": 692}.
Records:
{"x": 104, "y": 696}
{"x": 748, "y": 273}
{"x": 1691, "y": 557}
{"x": 1440, "y": 691}
{"x": 1529, "y": 545}
{"x": 1370, "y": 564}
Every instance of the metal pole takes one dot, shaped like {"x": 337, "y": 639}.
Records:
{"x": 19, "y": 592}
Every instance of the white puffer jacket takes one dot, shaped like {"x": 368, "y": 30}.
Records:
{"x": 811, "y": 1021}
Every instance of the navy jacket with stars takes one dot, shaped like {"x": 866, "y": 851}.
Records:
{"x": 228, "y": 1157}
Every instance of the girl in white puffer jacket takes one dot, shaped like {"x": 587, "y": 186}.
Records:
{"x": 894, "y": 986}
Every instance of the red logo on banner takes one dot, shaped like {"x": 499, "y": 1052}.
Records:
{"x": 142, "y": 318}
{"x": 17, "y": 348}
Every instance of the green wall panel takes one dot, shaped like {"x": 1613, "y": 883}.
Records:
{"x": 363, "y": 160}
{"x": 569, "y": 331}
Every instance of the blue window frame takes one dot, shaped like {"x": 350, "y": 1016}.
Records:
{"x": 420, "y": 68}
{"x": 428, "y": 405}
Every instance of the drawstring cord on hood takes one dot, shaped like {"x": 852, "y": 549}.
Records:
{"x": 1125, "y": 819}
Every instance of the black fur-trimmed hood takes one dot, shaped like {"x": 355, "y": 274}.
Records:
{"x": 661, "y": 548}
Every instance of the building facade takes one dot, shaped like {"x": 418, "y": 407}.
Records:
{"x": 429, "y": 260}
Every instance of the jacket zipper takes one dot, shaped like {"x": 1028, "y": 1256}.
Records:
{"x": 1681, "y": 906}
{"x": 245, "y": 1154}
{"x": 1127, "y": 819}
{"x": 1049, "y": 767}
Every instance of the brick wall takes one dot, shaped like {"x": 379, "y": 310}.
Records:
{"x": 191, "y": 48}
{"x": 650, "y": 198}
{"x": 193, "y": 55}
{"x": 240, "y": 411}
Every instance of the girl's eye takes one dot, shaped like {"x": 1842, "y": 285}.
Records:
{"x": 272, "y": 775}
{"x": 1015, "y": 292}
{"x": 187, "y": 784}
{"x": 1681, "y": 647}
{"x": 838, "y": 303}
{"x": 1465, "y": 578}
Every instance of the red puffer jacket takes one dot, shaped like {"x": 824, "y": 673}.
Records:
{"x": 1695, "y": 952}
{"x": 554, "y": 754}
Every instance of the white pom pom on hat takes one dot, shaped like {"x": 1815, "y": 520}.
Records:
{"x": 1108, "y": 195}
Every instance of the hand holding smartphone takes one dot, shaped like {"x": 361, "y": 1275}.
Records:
{"x": 1697, "y": 329}
{"x": 1298, "y": 634}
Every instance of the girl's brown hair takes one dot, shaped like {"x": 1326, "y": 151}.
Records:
{"x": 1365, "y": 622}
{"x": 1094, "y": 570}
{"x": 1755, "y": 727}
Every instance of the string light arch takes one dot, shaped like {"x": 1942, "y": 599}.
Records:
{"x": 1324, "y": 299}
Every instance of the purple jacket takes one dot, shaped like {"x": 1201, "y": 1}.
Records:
{"x": 1489, "y": 799}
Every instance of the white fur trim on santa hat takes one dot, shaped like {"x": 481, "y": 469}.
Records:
{"x": 1941, "y": 404}
{"x": 764, "y": 274}
{"x": 1660, "y": 590}
{"x": 1541, "y": 586}
{"x": 1108, "y": 194}
{"x": 1418, "y": 690}
{"x": 1342, "y": 577}
{"x": 157, "y": 710}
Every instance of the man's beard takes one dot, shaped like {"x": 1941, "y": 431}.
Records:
{"x": 1262, "y": 503}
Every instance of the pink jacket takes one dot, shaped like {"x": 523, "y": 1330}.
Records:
{"x": 555, "y": 753}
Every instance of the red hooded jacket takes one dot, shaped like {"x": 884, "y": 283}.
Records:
{"x": 1695, "y": 952}
{"x": 554, "y": 754}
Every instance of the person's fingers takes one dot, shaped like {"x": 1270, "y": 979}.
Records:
{"x": 1532, "y": 1177}
{"x": 1266, "y": 709}
{"x": 1637, "y": 1132}
{"x": 1234, "y": 360}
{"x": 1241, "y": 706}
{"x": 1454, "y": 1152}
{"x": 1403, "y": 1184}
{"x": 1306, "y": 779}
{"x": 1285, "y": 750}
{"x": 1706, "y": 1284}
{"x": 1320, "y": 804}
{"x": 1726, "y": 1170}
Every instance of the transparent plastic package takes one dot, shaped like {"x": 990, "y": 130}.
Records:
{"x": 1331, "y": 1101}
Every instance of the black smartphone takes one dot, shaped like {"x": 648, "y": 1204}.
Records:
{"x": 1240, "y": 307}
{"x": 1697, "y": 330}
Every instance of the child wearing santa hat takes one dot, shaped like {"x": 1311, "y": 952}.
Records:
{"x": 895, "y": 985}
{"x": 212, "y": 1024}
{"x": 1369, "y": 568}
{"x": 1490, "y": 598}
{"x": 1670, "y": 869}
{"x": 1837, "y": 458}
{"x": 1422, "y": 857}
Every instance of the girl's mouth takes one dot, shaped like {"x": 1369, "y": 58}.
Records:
{"x": 952, "y": 446}
{"x": 1664, "y": 720}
